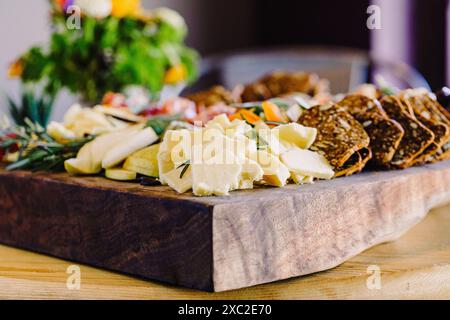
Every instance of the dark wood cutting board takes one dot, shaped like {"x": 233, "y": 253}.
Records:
{"x": 215, "y": 243}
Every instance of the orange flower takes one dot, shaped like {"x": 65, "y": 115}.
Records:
{"x": 175, "y": 74}
{"x": 15, "y": 69}
{"x": 125, "y": 8}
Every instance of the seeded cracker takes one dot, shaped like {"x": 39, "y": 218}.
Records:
{"x": 417, "y": 137}
{"x": 428, "y": 118}
{"x": 385, "y": 134}
{"x": 339, "y": 138}
{"x": 440, "y": 114}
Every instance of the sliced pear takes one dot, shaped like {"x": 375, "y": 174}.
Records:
{"x": 307, "y": 163}
{"x": 90, "y": 156}
{"x": 120, "y": 174}
{"x": 144, "y": 161}
{"x": 121, "y": 151}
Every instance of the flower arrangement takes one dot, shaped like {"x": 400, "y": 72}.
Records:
{"x": 116, "y": 45}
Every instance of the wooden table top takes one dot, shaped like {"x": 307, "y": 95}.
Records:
{"x": 415, "y": 267}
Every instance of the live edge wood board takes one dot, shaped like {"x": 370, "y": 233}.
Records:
{"x": 215, "y": 243}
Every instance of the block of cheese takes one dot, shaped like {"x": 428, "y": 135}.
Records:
{"x": 307, "y": 163}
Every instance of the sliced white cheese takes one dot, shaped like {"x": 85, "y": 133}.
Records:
{"x": 237, "y": 127}
{"x": 307, "y": 163}
{"x": 275, "y": 172}
{"x": 174, "y": 180}
{"x": 251, "y": 172}
{"x": 221, "y": 121}
{"x": 168, "y": 158}
{"x": 301, "y": 179}
{"x": 296, "y": 134}
{"x": 215, "y": 178}
{"x": 270, "y": 142}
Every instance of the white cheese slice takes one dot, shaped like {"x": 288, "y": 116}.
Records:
{"x": 301, "y": 179}
{"x": 175, "y": 149}
{"x": 251, "y": 172}
{"x": 215, "y": 178}
{"x": 275, "y": 172}
{"x": 296, "y": 134}
{"x": 221, "y": 121}
{"x": 307, "y": 163}
{"x": 270, "y": 142}
{"x": 180, "y": 185}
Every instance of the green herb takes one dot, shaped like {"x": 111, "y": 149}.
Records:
{"x": 185, "y": 166}
{"x": 160, "y": 123}
{"x": 261, "y": 143}
{"x": 274, "y": 123}
{"x": 37, "y": 150}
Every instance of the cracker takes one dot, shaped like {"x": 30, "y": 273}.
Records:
{"x": 339, "y": 135}
{"x": 417, "y": 137}
{"x": 385, "y": 134}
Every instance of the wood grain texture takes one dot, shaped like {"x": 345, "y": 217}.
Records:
{"x": 417, "y": 266}
{"x": 215, "y": 243}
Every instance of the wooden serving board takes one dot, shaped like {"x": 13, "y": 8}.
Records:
{"x": 215, "y": 243}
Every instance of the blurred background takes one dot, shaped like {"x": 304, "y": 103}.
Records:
{"x": 241, "y": 39}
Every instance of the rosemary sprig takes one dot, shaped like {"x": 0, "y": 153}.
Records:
{"x": 185, "y": 165}
{"x": 37, "y": 150}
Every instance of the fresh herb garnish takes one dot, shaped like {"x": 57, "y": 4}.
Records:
{"x": 185, "y": 166}
{"x": 160, "y": 123}
{"x": 37, "y": 150}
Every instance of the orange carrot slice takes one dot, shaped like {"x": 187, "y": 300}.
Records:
{"x": 249, "y": 116}
{"x": 272, "y": 112}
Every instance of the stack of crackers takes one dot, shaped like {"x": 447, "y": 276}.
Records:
{"x": 397, "y": 131}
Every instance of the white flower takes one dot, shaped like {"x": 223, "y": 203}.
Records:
{"x": 171, "y": 17}
{"x": 95, "y": 8}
